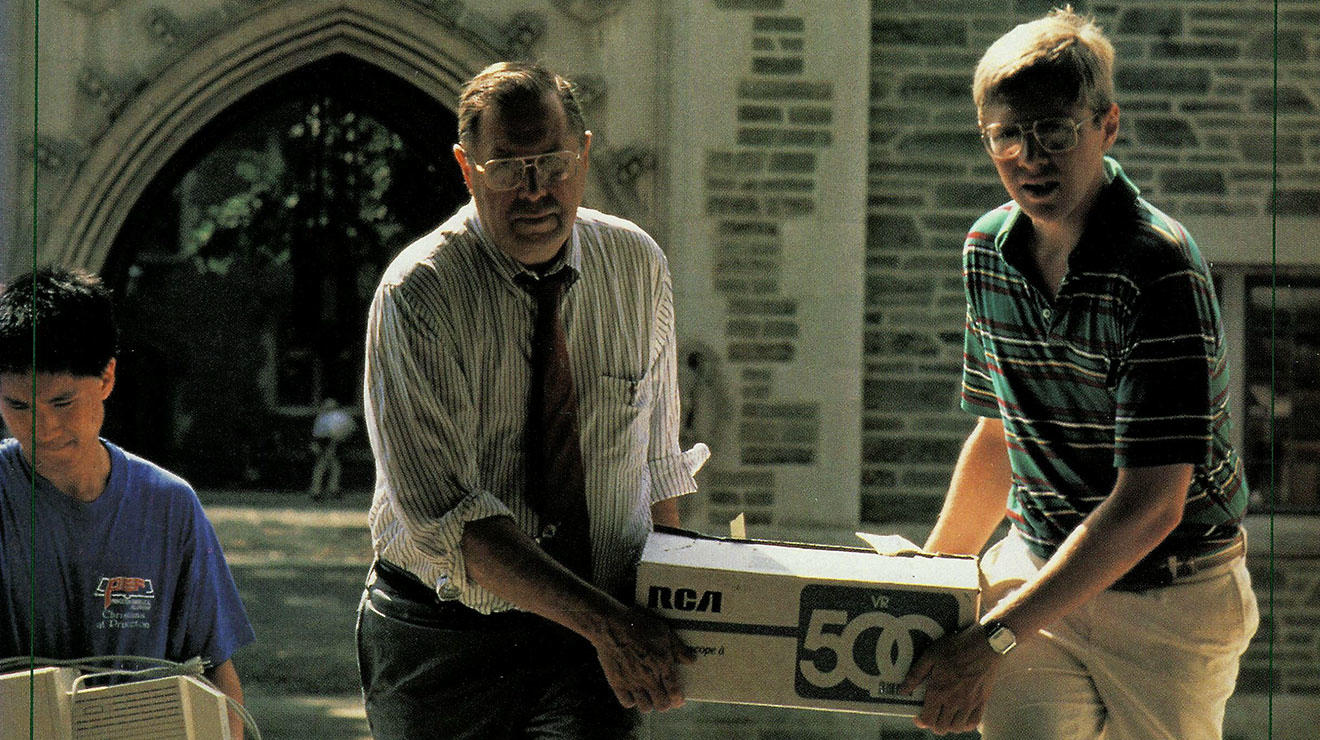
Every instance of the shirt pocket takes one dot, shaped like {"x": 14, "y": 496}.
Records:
{"x": 625, "y": 391}
{"x": 616, "y": 428}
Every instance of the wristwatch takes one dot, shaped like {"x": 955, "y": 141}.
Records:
{"x": 1000, "y": 637}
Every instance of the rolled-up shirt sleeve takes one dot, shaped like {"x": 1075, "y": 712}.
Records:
{"x": 420, "y": 418}
{"x": 671, "y": 468}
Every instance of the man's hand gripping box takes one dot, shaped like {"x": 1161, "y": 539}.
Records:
{"x": 799, "y": 625}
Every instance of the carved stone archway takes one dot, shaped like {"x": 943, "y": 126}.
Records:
{"x": 403, "y": 40}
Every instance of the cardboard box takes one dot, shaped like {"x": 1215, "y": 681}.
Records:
{"x": 798, "y": 625}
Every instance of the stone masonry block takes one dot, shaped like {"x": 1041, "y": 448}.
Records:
{"x": 882, "y": 423}
{"x": 1261, "y": 148}
{"x": 780, "y": 330}
{"x": 778, "y": 455}
{"x": 763, "y": 307}
{"x": 1179, "y": 80}
{"x": 801, "y": 434}
{"x": 762, "y": 5}
{"x": 1165, "y": 131}
{"x": 892, "y": 231}
{"x": 1185, "y": 181}
{"x": 953, "y": 144}
{"x": 1298, "y": 202}
{"x": 736, "y": 163}
{"x": 922, "y": 32}
{"x": 742, "y": 329}
{"x": 1151, "y": 21}
{"x": 722, "y": 496}
{"x": 1195, "y": 51}
{"x": 760, "y": 114}
{"x": 778, "y": 24}
{"x": 784, "y": 90}
{"x": 969, "y": 195}
{"x": 1291, "y": 46}
{"x": 786, "y": 184}
{"x": 936, "y": 88}
{"x": 1290, "y": 100}
{"x": 811, "y": 137}
{"x": 758, "y": 429}
{"x": 922, "y": 396}
{"x": 742, "y": 478}
{"x": 881, "y": 507}
{"x": 777, "y": 65}
{"x": 786, "y": 207}
{"x": 721, "y": 184}
{"x": 748, "y": 228}
{"x": 731, "y": 206}
{"x": 794, "y": 162}
{"x": 883, "y": 477}
{"x": 760, "y": 352}
{"x": 810, "y": 115}
{"x": 911, "y": 450}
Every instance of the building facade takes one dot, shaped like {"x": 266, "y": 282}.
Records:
{"x": 809, "y": 167}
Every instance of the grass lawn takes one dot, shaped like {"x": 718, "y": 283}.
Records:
{"x": 299, "y": 566}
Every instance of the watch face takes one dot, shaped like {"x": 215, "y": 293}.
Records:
{"x": 1001, "y": 639}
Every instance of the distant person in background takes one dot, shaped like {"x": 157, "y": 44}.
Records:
{"x": 332, "y": 426}
{"x": 126, "y": 561}
{"x": 1119, "y": 604}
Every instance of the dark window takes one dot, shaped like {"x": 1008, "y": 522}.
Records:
{"x": 1282, "y": 383}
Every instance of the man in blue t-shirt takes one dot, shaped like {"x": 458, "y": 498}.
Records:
{"x": 117, "y": 551}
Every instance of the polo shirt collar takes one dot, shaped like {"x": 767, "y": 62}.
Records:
{"x": 1117, "y": 185}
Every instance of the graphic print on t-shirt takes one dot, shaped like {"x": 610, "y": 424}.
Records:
{"x": 127, "y": 602}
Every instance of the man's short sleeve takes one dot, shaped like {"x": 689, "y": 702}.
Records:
{"x": 210, "y": 621}
{"x": 1164, "y": 410}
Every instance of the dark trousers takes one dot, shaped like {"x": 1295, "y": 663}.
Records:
{"x": 434, "y": 669}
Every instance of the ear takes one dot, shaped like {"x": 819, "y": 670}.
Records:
{"x": 586, "y": 151}
{"x": 108, "y": 379}
{"x": 1109, "y": 126}
{"x": 460, "y": 155}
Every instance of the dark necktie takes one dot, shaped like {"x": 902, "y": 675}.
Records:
{"x": 556, "y": 488}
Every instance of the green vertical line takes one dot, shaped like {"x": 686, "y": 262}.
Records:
{"x": 1274, "y": 279}
{"x": 32, "y": 501}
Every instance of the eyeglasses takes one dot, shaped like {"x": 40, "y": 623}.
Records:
{"x": 507, "y": 174}
{"x": 1054, "y": 135}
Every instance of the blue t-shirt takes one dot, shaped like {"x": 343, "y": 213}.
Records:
{"x": 138, "y": 571}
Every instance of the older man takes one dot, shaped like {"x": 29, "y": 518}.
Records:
{"x": 521, "y": 403}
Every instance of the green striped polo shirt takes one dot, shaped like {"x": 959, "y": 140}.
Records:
{"x": 1126, "y": 367}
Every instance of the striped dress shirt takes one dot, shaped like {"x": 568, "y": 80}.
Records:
{"x": 446, "y": 390}
{"x": 1125, "y": 367}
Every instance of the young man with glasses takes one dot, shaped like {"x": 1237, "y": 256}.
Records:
{"x": 1119, "y": 603}
{"x": 489, "y": 613}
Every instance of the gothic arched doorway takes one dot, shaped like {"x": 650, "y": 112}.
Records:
{"x": 244, "y": 272}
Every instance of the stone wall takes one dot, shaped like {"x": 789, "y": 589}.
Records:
{"x": 767, "y": 183}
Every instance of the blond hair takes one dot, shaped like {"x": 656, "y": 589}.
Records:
{"x": 1062, "y": 55}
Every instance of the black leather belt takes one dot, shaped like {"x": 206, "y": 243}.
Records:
{"x": 403, "y": 583}
{"x": 399, "y": 583}
{"x": 1171, "y": 570}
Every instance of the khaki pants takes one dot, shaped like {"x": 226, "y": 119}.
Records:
{"x": 1126, "y": 666}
